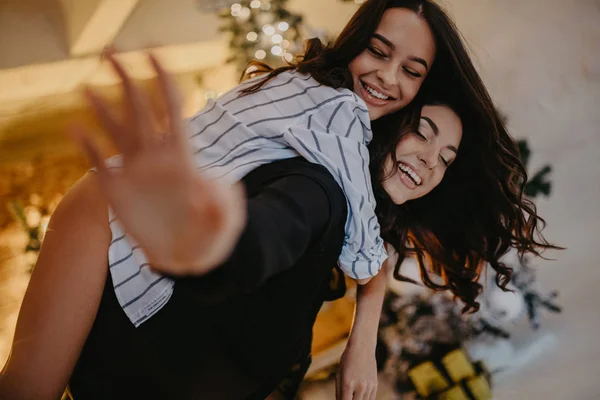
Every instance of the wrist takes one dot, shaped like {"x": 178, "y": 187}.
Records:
{"x": 363, "y": 340}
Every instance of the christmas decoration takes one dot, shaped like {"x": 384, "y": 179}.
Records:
{"x": 538, "y": 183}
{"x": 264, "y": 30}
{"x": 420, "y": 349}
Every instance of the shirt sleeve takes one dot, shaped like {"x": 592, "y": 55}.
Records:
{"x": 286, "y": 218}
{"x": 336, "y": 136}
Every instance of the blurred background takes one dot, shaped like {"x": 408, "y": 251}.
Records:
{"x": 540, "y": 60}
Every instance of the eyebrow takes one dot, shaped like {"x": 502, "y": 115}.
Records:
{"x": 434, "y": 127}
{"x": 387, "y": 42}
{"x": 436, "y": 132}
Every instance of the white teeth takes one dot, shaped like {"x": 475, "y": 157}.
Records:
{"x": 375, "y": 93}
{"x": 410, "y": 172}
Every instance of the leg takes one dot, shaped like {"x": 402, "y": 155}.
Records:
{"x": 62, "y": 297}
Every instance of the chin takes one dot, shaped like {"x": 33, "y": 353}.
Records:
{"x": 398, "y": 200}
{"x": 375, "y": 114}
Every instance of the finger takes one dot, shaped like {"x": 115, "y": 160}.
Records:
{"x": 338, "y": 386}
{"x": 140, "y": 116}
{"x": 160, "y": 118}
{"x": 347, "y": 391}
{"x": 172, "y": 100}
{"x": 359, "y": 393}
{"x": 373, "y": 394}
{"x": 91, "y": 149}
{"x": 122, "y": 140}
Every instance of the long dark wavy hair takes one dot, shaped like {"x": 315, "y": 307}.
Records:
{"x": 478, "y": 212}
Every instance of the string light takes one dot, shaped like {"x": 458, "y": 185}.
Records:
{"x": 260, "y": 54}
{"x": 245, "y": 14}
{"x": 235, "y": 9}
{"x": 276, "y": 50}
{"x": 268, "y": 29}
{"x": 263, "y": 30}
{"x": 277, "y": 38}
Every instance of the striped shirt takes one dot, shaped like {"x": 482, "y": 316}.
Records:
{"x": 292, "y": 115}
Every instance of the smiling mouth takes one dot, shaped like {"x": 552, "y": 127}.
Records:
{"x": 410, "y": 173}
{"x": 375, "y": 93}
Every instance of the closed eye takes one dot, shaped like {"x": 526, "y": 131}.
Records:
{"x": 412, "y": 72}
{"x": 376, "y": 52}
{"x": 421, "y": 136}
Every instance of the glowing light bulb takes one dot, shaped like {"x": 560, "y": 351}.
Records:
{"x": 268, "y": 30}
{"x": 260, "y": 54}
{"x": 276, "y": 50}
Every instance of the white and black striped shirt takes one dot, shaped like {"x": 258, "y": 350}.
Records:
{"x": 291, "y": 115}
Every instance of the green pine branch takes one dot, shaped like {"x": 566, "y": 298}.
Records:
{"x": 538, "y": 183}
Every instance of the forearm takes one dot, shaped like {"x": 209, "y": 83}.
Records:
{"x": 369, "y": 301}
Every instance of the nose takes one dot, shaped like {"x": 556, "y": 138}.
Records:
{"x": 388, "y": 76}
{"x": 429, "y": 156}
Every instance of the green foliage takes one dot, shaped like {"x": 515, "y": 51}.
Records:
{"x": 537, "y": 183}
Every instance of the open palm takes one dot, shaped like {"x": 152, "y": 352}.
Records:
{"x": 185, "y": 223}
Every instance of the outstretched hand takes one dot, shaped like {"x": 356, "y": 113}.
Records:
{"x": 185, "y": 223}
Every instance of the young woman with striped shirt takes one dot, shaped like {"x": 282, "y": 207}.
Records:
{"x": 190, "y": 225}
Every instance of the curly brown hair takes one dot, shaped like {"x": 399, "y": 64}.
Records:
{"x": 478, "y": 212}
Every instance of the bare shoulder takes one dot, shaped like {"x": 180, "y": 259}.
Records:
{"x": 82, "y": 210}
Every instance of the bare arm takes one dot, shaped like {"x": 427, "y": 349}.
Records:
{"x": 369, "y": 300}
{"x": 357, "y": 376}
{"x": 62, "y": 298}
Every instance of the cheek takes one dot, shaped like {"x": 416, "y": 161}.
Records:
{"x": 408, "y": 145}
{"x": 359, "y": 65}
{"x": 388, "y": 167}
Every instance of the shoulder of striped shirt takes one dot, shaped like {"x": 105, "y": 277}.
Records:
{"x": 350, "y": 103}
{"x": 353, "y": 104}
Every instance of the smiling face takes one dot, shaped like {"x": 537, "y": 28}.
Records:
{"x": 388, "y": 74}
{"x": 422, "y": 157}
